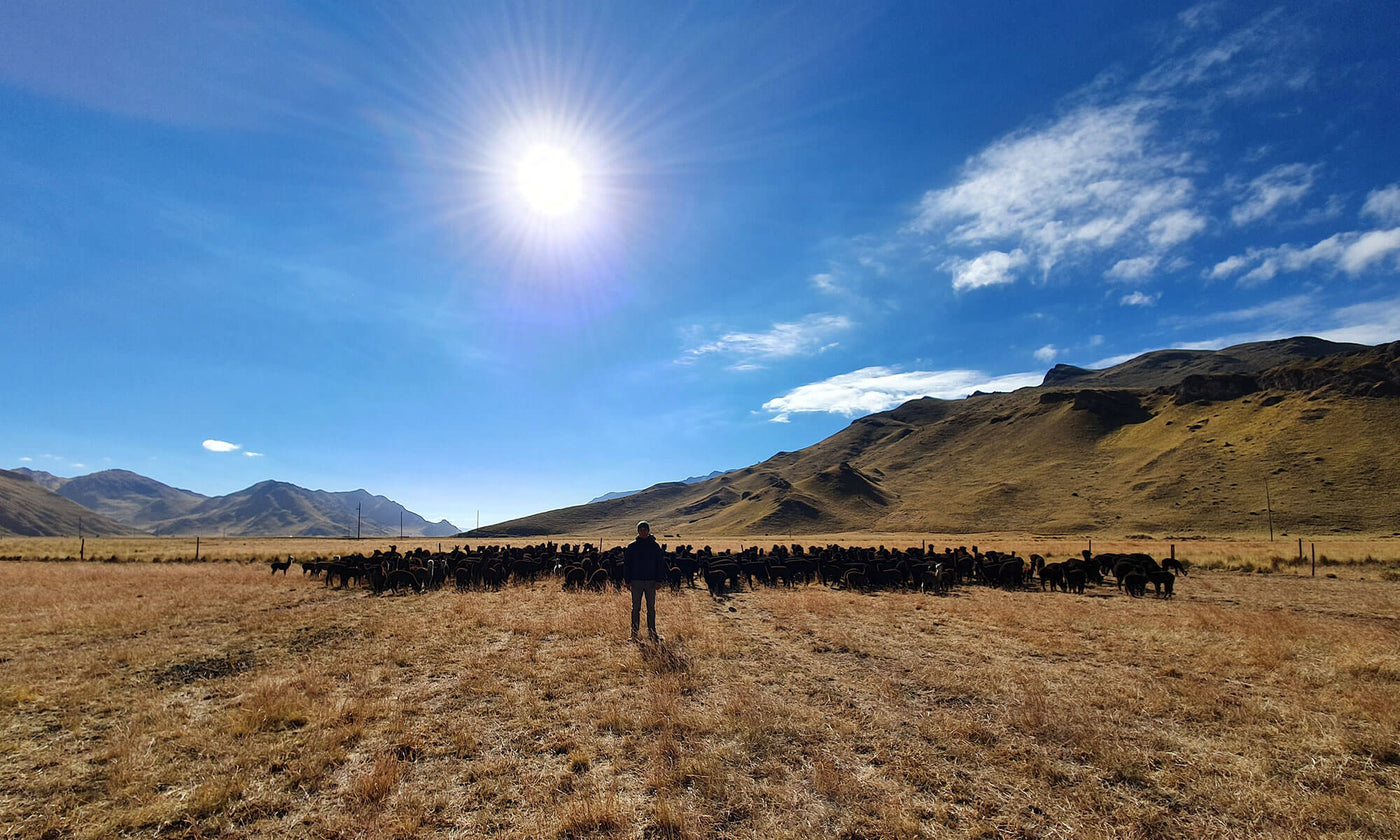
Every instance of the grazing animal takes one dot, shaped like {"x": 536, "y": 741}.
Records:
{"x": 1173, "y": 565}
{"x": 598, "y": 581}
{"x": 575, "y": 577}
{"x": 715, "y": 581}
{"x": 281, "y": 566}
{"x": 1135, "y": 583}
{"x": 1162, "y": 582}
{"x": 1075, "y": 577}
{"x": 403, "y": 578}
{"x": 1052, "y": 574}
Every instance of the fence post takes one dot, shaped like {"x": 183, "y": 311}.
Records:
{"x": 1314, "y": 554}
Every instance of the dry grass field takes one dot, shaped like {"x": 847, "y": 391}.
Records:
{"x": 214, "y": 700}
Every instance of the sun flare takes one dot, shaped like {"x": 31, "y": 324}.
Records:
{"x": 550, "y": 181}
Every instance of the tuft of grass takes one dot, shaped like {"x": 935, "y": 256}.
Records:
{"x": 272, "y": 705}
{"x": 374, "y": 782}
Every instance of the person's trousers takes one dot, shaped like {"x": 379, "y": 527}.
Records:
{"x": 647, "y": 588}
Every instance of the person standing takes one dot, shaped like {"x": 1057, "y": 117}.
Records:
{"x": 643, "y": 566}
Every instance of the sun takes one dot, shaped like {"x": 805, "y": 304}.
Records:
{"x": 550, "y": 181}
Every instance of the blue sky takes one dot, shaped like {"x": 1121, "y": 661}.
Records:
{"x": 303, "y": 241}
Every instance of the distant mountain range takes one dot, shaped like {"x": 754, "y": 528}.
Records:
{"x": 28, "y": 509}
{"x": 620, "y": 494}
{"x": 1300, "y": 433}
{"x": 123, "y": 502}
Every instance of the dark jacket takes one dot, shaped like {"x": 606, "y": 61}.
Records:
{"x": 643, "y": 560}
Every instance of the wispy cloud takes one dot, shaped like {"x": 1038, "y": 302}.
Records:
{"x": 1352, "y": 252}
{"x": 1288, "y": 309}
{"x": 1383, "y": 205}
{"x": 26, "y": 459}
{"x": 253, "y": 454}
{"x": 1047, "y": 354}
{"x": 221, "y": 446}
{"x": 1139, "y": 299}
{"x": 874, "y": 389}
{"x": 811, "y": 335}
{"x": 1372, "y": 322}
{"x": 1098, "y": 177}
{"x": 1121, "y": 175}
{"x": 1282, "y": 185}
{"x": 1133, "y": 269}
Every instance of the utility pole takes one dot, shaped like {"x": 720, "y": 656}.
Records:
{"x": 1269, "y": 504}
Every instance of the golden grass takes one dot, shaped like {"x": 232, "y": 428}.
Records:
{"x": 194, "y": 700}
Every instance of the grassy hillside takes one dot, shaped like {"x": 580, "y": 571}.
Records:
{"x": 1188, "y": 450}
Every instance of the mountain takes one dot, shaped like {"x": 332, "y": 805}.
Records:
{"x": 28, "y": 509}
{"x": 48, "y": 481}
{"x": 276, "y": 508}
{"x": 1173, "y": 441}
{"x": 618, "y": 494}
{"x": 129, "y": 497}
{"x": 130, "y": 503}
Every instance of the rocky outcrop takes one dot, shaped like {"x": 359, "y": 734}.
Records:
{"x": 1214, "y": 387}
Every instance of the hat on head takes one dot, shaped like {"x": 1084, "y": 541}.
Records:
{"x": 643, "y": 524}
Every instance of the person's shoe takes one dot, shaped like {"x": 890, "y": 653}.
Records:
{"x": 656, "y": 639}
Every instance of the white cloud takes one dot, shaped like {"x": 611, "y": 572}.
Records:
{"x": 1174, "y": 228}
{"x": 221, "y": 446}
{"x": 1290, "y": 309}
{"x": 26, "y": 459}
{"x": 1047, "y": 354}
{"x": 253, "y": 454}
{"x": 1098, "y": 176}
{"x": 991, "y": 269}
{"x": 812, "y": 334}
{"x": 1352, "y": 252}
{"x": 1369, "y": 248}
{"x": 1228, "y": 266}
{"x": 873, "y": 389}
{"x": 1383, "y": 205}
{"x": 1374, "y": 322}
{"x": 1200, "y": 15}
{"x": 1139, "y": 299}
{"x": 1132, "y": 269}
{"x": 1285, "y": 184}
{"x": 824, "y": 282}
{"x": 1118, "y": 176}
{"x": 1248, "y": 62}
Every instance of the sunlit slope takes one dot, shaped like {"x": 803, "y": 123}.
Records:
{"x": 29, "y": 510}
{"x": 1186, "y": 452}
